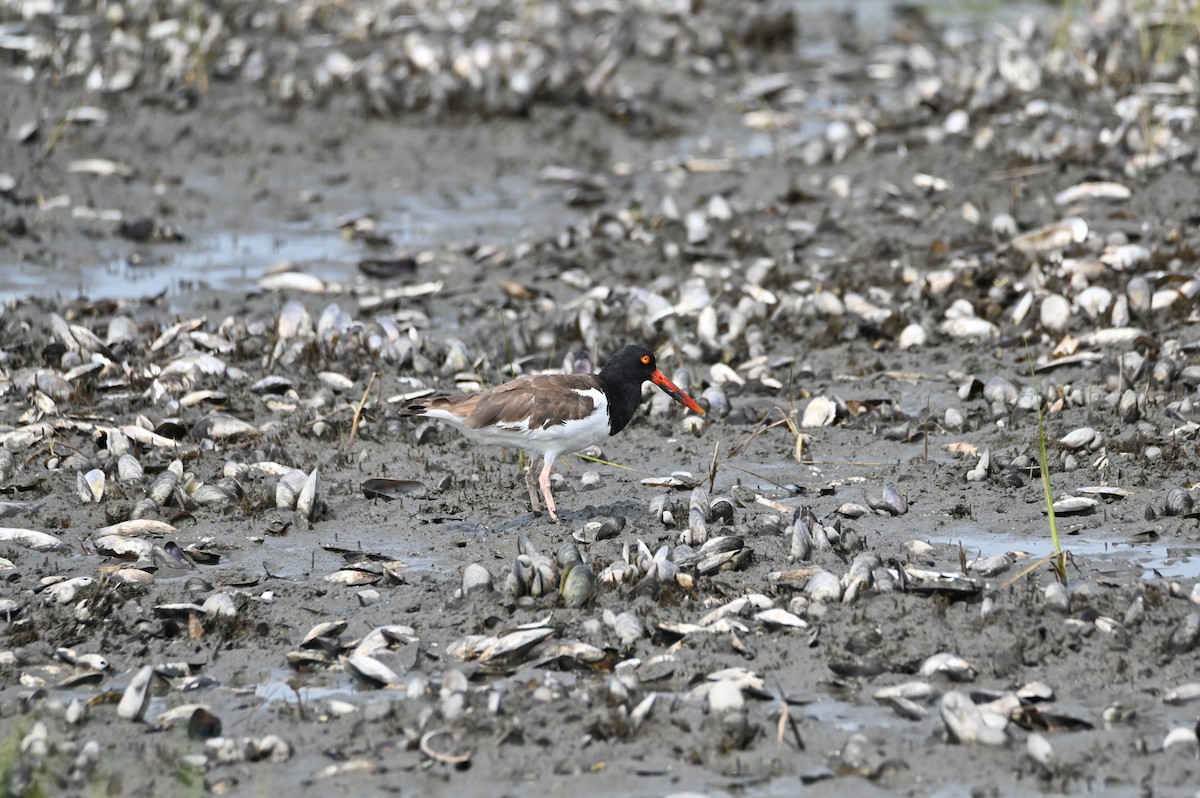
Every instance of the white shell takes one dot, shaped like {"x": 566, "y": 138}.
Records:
{"x": 1093, "y": 190}
{"x": 288, "y": 489}
{"x": 912, "y": 336}
{"x": 949, "y": 664}
{"x": 1075, "y": 505}
{"x": 1021, "y": 309}
{"x": 120, "y": 546}
{"x": 722, "y": 373}
{"x": 129, "y": 470}
{"x": 1055, "y": 313}
{"x": 971, "y": 327}
{"x": 1183, "y": 694}
{"x": 1182, "y": 737}
{"x": 294, "y": 321}
{"x": 1124, "y": 257}
{"x": 476, "y": 579}
{"x": 31, "y": 539}
{"x": 725, "y": 696}
{"x": 1039, "y": 749}
{"x": 966, "y": 722}
{"x": 90, "y": 486}
{"x": 1078, "y": 438}
{"x": 1094, "y": 301}
{"x": 136, "y": 697}
{"x": 824, "y": 587}
{"x": 1059, "y": 235}
{"x": 777, "y": 616}
{"x": 917, "y": 548}
{"x": 1056, "y": 598}
{"x": 370, "y": 670}
{"x": 309, "y": 498}
{"x": 820, "y": 412}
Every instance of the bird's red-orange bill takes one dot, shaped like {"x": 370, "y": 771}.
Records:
{"x": 672, "y": 390}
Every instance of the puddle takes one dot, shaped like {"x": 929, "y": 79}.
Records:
{"x": 1166, "y": 556}
{"x": 316, "y": 246}
{"x": 849, "y": 717}
{"x": 279, "y": 688}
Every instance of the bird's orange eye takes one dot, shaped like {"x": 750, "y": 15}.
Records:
{"x": 646, "y": 359}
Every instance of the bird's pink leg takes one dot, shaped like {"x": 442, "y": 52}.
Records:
{"x": 545, "y": 482}
{"x": 531, "y": 483}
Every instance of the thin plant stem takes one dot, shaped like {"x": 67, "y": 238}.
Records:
{"x": 1060, "y": 560}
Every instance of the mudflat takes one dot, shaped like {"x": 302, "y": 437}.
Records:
{"x": 876, "y": 247}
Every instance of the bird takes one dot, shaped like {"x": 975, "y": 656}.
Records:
{"x": 550, "y": 415}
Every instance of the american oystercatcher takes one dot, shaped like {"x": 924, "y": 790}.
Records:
{"x": 549, "y": 415}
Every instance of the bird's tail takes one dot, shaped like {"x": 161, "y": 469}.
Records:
{"x": 417, "y": 407}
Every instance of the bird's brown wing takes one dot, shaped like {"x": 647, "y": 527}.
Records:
{"x": 541, "y": 401}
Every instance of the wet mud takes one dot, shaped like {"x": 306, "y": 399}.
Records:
{"x": 871, "y": 247}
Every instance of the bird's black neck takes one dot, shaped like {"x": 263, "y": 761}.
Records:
{"x": 624, "y": 396}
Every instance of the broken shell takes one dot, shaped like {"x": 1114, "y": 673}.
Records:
{"x": 968, "y": 724}
{"x": 626, "y": 626}
{"x": 1059, "y": 235}
{"x": 820, "y": 412}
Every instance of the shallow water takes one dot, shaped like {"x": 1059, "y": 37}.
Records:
{"x": 1150, "y": 556}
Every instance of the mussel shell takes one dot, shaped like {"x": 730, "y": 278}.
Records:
{"x": 578, "y": 585}
{"x": 1179, "y": 502}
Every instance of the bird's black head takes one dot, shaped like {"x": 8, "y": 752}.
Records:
{"x": 633, "y": 363}
{"x": 623, "y": 376}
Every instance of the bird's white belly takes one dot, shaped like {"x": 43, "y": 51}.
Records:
{"x": 554, "y": 440}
